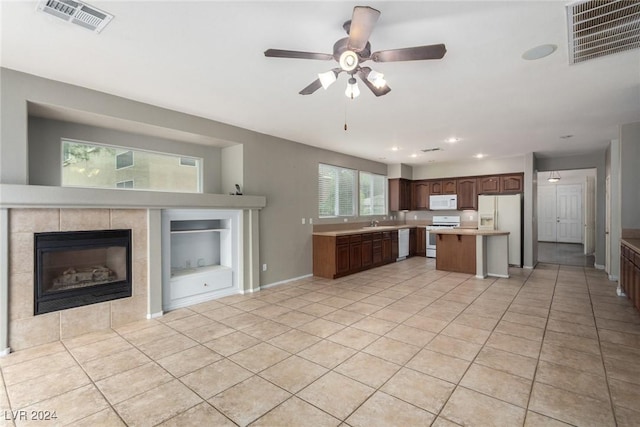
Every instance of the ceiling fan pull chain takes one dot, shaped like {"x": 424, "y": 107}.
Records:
{"x": 345, "y": 114}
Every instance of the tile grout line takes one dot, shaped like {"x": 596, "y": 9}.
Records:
{"x": 544, "y": 333}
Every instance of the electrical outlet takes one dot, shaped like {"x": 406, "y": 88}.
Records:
{"x": 310, "y": 220}
{"x": 303, "y": 221}
{"x": 415, "y": 217}
{"x": 264, "y": 267}
{"x": 470, "y": 217}
{"x": 345, "y": 220}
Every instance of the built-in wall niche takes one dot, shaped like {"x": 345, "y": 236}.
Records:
{"x": 200, "y": 256}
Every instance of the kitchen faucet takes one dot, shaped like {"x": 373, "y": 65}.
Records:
{"x": 374, "y": 223}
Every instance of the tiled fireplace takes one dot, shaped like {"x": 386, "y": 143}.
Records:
{"x": 56, "y": 321}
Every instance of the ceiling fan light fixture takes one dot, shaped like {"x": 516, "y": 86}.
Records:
{"x": 554, "y": 176}
{"x": 348, "y": 60}
{"x": 352, "y": 90}
{"x": 377, "y": 79}
{"x": 327, "y": 79}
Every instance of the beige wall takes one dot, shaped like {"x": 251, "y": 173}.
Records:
{"x": 283, "y": 171}
{"x": 630, "y": 175}
{"x": 486, "y": 166}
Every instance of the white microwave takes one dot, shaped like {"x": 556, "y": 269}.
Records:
{"x": 443, "y": 202}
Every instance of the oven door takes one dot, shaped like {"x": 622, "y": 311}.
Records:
{"x": 431, "y": 244}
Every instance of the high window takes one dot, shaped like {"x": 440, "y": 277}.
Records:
{"x": 86, "y": 164}
{"x": 336, "y": 191}
{"x": 373, "y": 194}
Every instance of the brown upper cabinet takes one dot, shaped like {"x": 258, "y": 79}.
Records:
{"x": 449, "y": 186}
{"x": 489, "y": 185}
{"x": 435, "y": 187}
{"x": 420, "y": 195}
{"x": 512, "y": 183}
{"x": 468, "y": 193}
{"x": 399, "y": 194}
{"x": 443, "y": 186}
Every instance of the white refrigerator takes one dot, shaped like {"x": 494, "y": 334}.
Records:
{"x": 504, "y": 213}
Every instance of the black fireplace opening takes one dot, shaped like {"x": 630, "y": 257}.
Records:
{"x": 78, "y": 268}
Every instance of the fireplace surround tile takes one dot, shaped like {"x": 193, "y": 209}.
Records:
{"x": 84, "y": 219}
{"x": 81, "y": 320}
{"x": 21, "y": 296}
{"x": 21, "y": 252}
{"x": 140, "y": 275}
{"x": 27, "y": 330}
{"x": 136, "y": 220}
{"x": 35, "y": 221}
{"x": 36, "y": 330}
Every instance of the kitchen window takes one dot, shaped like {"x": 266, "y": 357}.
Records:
{"x": 373, "y": 194}
{"x": 336, "y": 191}
{"x": 89, "y": 164}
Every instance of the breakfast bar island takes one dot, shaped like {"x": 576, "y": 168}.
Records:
{"x": 480, "y": 252}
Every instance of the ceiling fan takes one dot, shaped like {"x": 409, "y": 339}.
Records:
{"x": 350, "y": 52}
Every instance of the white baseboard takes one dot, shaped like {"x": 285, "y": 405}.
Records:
{"x": 599, "y": 266}
{"x": 5, "y": 352}
{"x": 282, "y": 282}
{"x": 528, "y": 267}
{"x": 620, "y": 292}
{"x": 155, "y": 315}
{"x": 250, "y": 291}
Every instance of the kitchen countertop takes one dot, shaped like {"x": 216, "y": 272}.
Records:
{"x": 632, "y": 243}
{"x": 377, "y": 229}
{"x": 469, "y": 232}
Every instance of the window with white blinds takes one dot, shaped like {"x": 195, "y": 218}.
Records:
{"x": 336, "y": 191}
{"x": 373, "y": 194}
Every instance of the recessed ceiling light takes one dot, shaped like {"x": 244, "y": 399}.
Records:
{"x": 539, "y": 52}
{"x": 452, "y": 140}
{"x": 414, "y": 155}
{"x": 479, "y": 156}
{"x": 395, "y": 148}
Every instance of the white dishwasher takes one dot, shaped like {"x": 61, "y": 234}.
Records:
{"x": 403, "y": 244}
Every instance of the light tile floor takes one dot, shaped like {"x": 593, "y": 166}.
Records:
{"x": 401, "y": 345}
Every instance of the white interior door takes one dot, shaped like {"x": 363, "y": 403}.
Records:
{"x": 590, "y": 215}
{"x": 547, "y": 220}
{"x": 569, "y": 213}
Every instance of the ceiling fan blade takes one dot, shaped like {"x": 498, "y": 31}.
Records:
{"x": 362, "y": 22}
{"x": 363, "y": 73}
{"x": 279, "y": 53}
{"x": 434, "y": 51}
{"x": 314, "y": 86}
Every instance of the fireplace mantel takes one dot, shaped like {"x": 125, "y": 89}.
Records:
{"x": 42, "y": 196}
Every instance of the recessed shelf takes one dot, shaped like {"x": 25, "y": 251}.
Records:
{"x": 182, "y": 272}
{"x": 204, "y": 230}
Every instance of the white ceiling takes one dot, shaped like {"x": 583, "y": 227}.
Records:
{"x": 206, "y": 58}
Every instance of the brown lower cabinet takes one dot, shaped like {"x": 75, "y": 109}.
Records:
{"x": 456, "y": 253}
{"x": 367, "y": 251}
{"x": 421, "y": 241}
{"x": 630, "y": 273}
{"x": 336, "y": 256}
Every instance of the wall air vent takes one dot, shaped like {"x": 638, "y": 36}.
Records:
{"x": 430, "y": 150}
{"x": 76, "y": 12}
{"x": 599, "y": 28}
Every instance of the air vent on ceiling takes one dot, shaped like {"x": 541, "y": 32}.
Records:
{"x": 429, "y": 150}
{"x": 76, "y": 12}
{"x": 599, "y": 28}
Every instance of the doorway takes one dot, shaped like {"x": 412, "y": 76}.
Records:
{"x": 566, "y": 217}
